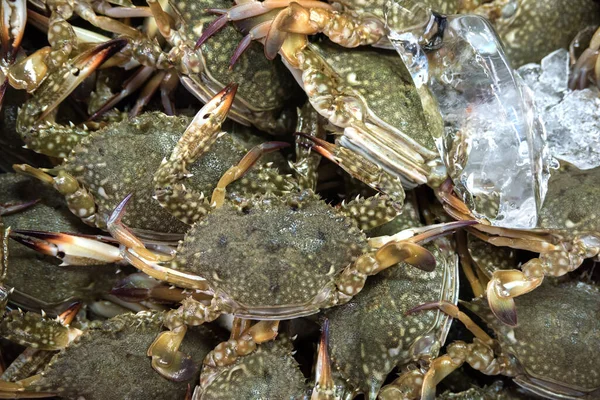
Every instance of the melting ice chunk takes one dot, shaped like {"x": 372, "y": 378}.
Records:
{"x": 494, "y": 146}
{"x": 572, "y": 118}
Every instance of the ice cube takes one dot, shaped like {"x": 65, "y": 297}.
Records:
{"x": 494, "y": 146}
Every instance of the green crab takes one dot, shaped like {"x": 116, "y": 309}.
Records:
{"x": 132, "y": 150}
{"x": 567, "y": 233}
{"x": 547, "y": 354}
{"x": 266, "y": 370}
{"x": 370, "y": 335}
{"x": 38, "y": 280}
{"x": 265, "y": 86}
{"x": 392, "y": 129}
{"x": 107, "y": 359}
{"x": 301, "y": 254}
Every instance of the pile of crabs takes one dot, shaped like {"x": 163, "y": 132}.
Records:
{"x": 252, "y": 249}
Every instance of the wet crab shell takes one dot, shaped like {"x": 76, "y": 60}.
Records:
{"x": 387, "y": 87}
{"x": 371, "y": 334}
{"x": 109, "y": 361}
{"x": 273, "y": 256}
{"x": 37, "y": 279}
{"x": 121, "y": 159}
{"x": 264, "y": 85}
{"x": 557, "y": 332}
{"x": 268, "y": 373}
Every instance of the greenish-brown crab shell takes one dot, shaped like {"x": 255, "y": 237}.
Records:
{"x": 132, "y": 150}
{"x": 557, "y": 332}
{"x": 109, "y": 361}
{"x": 268, "y": 373}
{"x": 275, "y": 256}
{"x": 371, "y": 334}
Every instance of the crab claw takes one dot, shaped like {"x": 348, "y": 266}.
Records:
{"x": 64, "y": 82}
{"x": 13, "y": 17}
{"x": 503, "y": 308}
{"x": 324, "y": 385}
{"x": 11, "y": 208}
{"x": 71, "y": 249}
{"x": 168, "y": 361}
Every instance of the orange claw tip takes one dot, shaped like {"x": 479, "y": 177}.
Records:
{"x": 503, "y": 308}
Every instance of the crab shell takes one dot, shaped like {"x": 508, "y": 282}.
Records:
{"x": 371, "y": 334}
{"x": 38, "y": 280}
{"x": 121, "y": 159}
{"x": 274, "y": 256}
{"x": 109, "y": 361}
{"x": 558, "y": 331}
{"x": 265, "y": 85}
{"x": 268, "y": 373}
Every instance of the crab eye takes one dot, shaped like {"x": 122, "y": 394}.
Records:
{"x": 510, "y": 9}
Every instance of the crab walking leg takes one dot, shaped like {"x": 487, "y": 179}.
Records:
{"x": 18, "y": 390}
{"x": 478, "y": 354}
{"x": 466, "y": 263}
{"x": 171, "y": 193}
{"x": 237, "y": 171}
{"x": 324, "y": 388}
{"x": 311, "y": 124}
{"x": 406, "y": 386}
{"x": 79, "y": 200}
{"x": 51, "y": 139}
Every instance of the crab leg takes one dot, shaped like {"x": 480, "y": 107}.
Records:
{"x": 56, "y": 140}
{"x": 373, "y": 211}
{"x": 37, "y": 331}
{"x": 13, "y": 17}
{"x": 228, "y": 352}
{"x": 478, "y": 354}
{"x": 304, "y": 17}
{"x": 197, "y": 138}
{"x": 353, "y": 278}
{"x": 237, "y": 171}
{"x": 79, "y": 200}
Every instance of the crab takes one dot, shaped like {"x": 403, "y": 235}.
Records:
{"x": 121, "y": 158}
{"x": 301, "y": 253}
{"x": 107, "y": 359}
{"x": 567, "y": 233}
{"x": 370, "y": 334}
{"x": 37, "y": 279}
{"x": 266, "y": 369}
{"x": 265, "y": 86}
{"x": 521, "y": 24}
{"x": 547, "y": 354}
